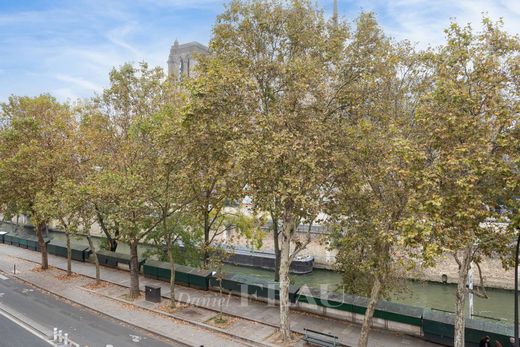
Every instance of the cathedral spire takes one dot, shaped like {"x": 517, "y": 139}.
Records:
{"x": 335, "y": 12}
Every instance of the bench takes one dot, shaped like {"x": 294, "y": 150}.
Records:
{"x": 320, "y": 339}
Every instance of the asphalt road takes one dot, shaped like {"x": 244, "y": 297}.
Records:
{"x": 84, "y": 327}
{"x": 13, "y": 335}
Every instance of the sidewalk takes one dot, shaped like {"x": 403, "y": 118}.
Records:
{"x": 257, "y": 322}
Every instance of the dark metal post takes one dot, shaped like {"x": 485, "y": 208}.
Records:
{"x": 516, "y": 292}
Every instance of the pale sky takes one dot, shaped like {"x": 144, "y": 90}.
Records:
{"x": 67, "y": 48}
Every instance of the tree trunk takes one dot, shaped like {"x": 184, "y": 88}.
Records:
{"x": 172, "y": 273}
{"x": 43, "y": 246}
{"x": 277, "y": 252}
{"x": 69, "y": 255}
{"x": 460, "y": 298}
{"x": 369, "y": 313}
{"x": 112, "y": 242}
{"x": 287, "y": 229}
{"x": 134, "y": 270}
{"x": 96, "y": 260}
{"x": 221, "y": 301}
{"x": 206, "y": 238}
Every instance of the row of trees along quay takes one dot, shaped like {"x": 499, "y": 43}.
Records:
{"x": 406, "y": 151}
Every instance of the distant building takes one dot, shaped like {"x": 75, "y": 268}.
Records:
{"x": 182, "y": 60}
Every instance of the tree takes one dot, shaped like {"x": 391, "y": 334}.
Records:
{"x": 34, "y": 155}
{"x": 98, "y": 146}
{"x": 216, "y": 260}
{"x": 57, "y": 207}
{"x": 283, "y": 54}
{"x": 213, "y": 124}
{"x": 129, "y": 176}
{"x": 471, "y": 118}
{"x": 175, "y": 236}
{"x": 171, "y": 193}
{"x": 70, "y": 205}
{"x": 376, "y": 160}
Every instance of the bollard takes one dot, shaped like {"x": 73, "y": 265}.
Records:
{"x": 55, "y": 335}
{"x": 60, "y": 336}
{"x": 14, "y": 269}
{"x": 66, "y": 339}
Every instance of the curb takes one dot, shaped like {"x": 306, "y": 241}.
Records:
{"x": 185, "y": 302}
{"x": 276, "y": 326}
{"x": 38, "y": 331}
{"x": 98, "y": 311}
{"x": 197, "y": 324}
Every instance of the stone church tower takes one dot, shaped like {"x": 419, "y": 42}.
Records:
{"x": 182, "y": 58}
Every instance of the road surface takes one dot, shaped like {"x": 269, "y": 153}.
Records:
{"x": 43, "y": 312}
{"x": 13, "y": 335}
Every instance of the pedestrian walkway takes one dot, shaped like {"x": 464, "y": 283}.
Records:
{"x": 253, "y": 311}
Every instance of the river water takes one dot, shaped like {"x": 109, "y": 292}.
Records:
{"x": 498, "y": 307}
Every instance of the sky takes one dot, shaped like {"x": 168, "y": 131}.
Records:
{"x": 68, "y": 47}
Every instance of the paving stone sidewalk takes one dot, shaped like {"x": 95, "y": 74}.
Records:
{"x": 260, "y": 312}
{"x": 155, "y": 323}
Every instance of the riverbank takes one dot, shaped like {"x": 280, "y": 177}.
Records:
{"x": 495, "y": 276}
{"x": 421, "y": 291}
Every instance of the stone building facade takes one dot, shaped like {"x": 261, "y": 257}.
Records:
{"x": 182, "y": 59}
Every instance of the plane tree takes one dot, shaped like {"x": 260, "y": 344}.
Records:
{"x": 213, "y": 124}
{"x": 471, "y": 121}
{"x": 130, "y": 176}
{"x": 285, "y": 53}
{"x": 375, "y": 164}
{"x": 35, "y": 153}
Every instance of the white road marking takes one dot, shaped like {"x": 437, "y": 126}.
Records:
{"x": 135, "y": 338}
